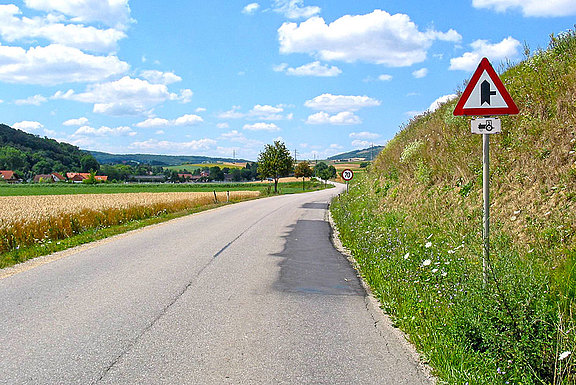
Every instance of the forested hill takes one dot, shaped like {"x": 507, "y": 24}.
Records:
{"x": 367, "y": 154}
{"x": 28, "y": 154}
{"x": 157, "y": 160}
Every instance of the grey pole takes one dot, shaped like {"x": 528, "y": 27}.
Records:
{"x": 486, "y": 192}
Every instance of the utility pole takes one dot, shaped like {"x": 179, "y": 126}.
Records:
{"x": 295, "y": 156}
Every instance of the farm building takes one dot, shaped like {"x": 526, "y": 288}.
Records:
{"x": 49, "y": 178}
{"x": 9, "y": 176}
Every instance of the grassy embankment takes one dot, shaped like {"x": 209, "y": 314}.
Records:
{"x": 41, "y": 234}
{"x": 414, "y": 223}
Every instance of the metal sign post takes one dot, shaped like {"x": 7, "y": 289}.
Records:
{"x": 486, "y": 195}
{"x": 485, "y": 95}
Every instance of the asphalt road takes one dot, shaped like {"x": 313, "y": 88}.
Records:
{"x": 252, "y": 293}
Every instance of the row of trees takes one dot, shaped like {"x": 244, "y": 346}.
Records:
{"x": 276, "y": 162}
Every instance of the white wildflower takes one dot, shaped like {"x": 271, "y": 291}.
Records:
{"x": 426, "y": 262}
{"x": 564, "y": 355}
{"x": 428, "y": 245}
{"x": 407, "y": 255}
{"x": 434, "y": 270}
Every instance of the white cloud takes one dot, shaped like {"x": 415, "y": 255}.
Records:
{"x": 127, "y": 96}
{"x": 295, "y": 9}
{"x": 56, "y": 64}
{"x": 223, "y": 125}
{"x": 441, "y": 100}
{"x": 258, "y": 112}
{"x": 153, "y": 123}
{"x": 35, "y": 100}
{"x": 261, "y": 127}
{"x": 535, "y": 8}
{"x": 250, "y": 9}
{"x": 364, "y": 135}
{"x": 188, "y": 120}
{"x": 310, "y": 69}
{"x": 506, "y": 49}
{"x": 168, "y": 147}
{"x": 337, "y": 103}
{"x": 385, "y": 78}
{"x": 76, "y": 122}
{"x": 361, "y": 143}
{"x": 104, "y": 131}
{"x": 27, "y": 125}
{"x": 421, "y": 73}
{"x": 159, "y": 77}
{"x": 184, "y": 120}
{"x": 14, "y": 28}
{"x": 341, "y": 119}
{"x": 114, "y": 13}
{"x": 378, "y": 37}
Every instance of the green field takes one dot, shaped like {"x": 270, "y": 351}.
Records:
{"x": 115, "y": 188}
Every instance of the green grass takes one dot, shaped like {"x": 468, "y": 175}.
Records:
{"x": 113, "y": 188}
{"x": 413, "y": 222}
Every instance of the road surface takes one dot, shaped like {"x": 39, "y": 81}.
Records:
{"x": 251, "y": 293}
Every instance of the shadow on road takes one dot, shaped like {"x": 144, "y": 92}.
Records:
{"x": 311, "y": 265}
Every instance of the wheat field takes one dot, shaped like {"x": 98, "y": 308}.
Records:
{"x": 32, "y": 220}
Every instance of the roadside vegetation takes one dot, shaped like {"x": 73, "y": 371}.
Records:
{"x": 413, "y": 222}
{"x": 39, "y": 219}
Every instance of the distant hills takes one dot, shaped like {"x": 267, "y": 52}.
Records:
{"x": 157, "y": 160}
{"x": 28, "y": 154}
{"x": 365, "y": 154}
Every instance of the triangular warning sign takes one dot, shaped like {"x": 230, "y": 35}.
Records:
{"x": 485, "y": 94}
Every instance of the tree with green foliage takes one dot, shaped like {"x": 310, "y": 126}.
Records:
{"x": 275, "y": 162}
{"x": 88, "y": 163}
{"x": 303, "y": 170}
{"x": 324, "y": 172}
{"x": 13, "y": 159}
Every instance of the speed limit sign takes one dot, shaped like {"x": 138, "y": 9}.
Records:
{"x": 347, "y": 174}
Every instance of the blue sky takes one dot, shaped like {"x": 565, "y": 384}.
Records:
{"x": 225, "y": 77}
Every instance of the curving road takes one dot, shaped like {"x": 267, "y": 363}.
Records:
{"x": 252, "y": 293}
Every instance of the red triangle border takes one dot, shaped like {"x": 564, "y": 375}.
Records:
{"x": 485, "y": 65}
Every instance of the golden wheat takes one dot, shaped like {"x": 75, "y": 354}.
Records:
{"x": 37, "y": 220}
{"x": 35, "y": 208}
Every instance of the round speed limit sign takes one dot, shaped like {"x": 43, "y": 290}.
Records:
{"x": 347, "y": 174}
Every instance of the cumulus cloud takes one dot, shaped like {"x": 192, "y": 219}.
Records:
{"x": 534, "y": 8}
{"x": 338, "y": 103}
{"x": 56, "y": 64}
{"x": 104, "y": 131}
{"x": 153, "y": 123}
{"x": 378, "y": 37}
{"x": 168, "y": 147}
{"x": 421, "y": 73}
{"x": 13, "y": 28}
{"x": 126, "y": 96}
{"x": 295, "y": 9}
{"x": 28, "y": 126}
{"x": 76, "y": 122}
{"x": 259, "y": 112}
{"x": 310, "y": 69}
{"x": 441, "y": 100}
{"x": 159, "y": 77}
{"x": 385, "y": 78}
{"x": 508, "y": 48}
{"x": 344, "y": 118}
{"x": 364, "y": 135}
{"x": 251, "y": 9}
{"x": 188, "y": 120}
{"x": 35, "y": 100}
{"x": 261, "y": 127}
{"x": 113, "y": 13}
